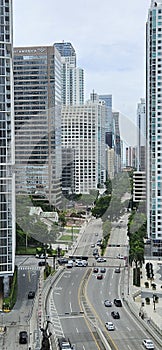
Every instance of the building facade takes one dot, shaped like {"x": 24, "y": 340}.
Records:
{"x": 154, "y": 125}
{"x": 7, "y": 147}
{"x": 141, "y": 135}
{"x": 117, "y": 143}
{"x": 83, "y": 131}
{"x": 72, "y": 77}
{"x": 139, "y": 186}
{"x": 37, "y": 99}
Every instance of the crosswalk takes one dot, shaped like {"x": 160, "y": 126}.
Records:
{"x": 34, "y": 268}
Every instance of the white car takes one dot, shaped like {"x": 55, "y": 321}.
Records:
{"x": 148, "y": 344}
{"x": 109, "y": 326}
{"x": 119, "y": 256}
{"x": 101, "y": 259}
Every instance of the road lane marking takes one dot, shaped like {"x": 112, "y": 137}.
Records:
{"x": 70, "y": 307}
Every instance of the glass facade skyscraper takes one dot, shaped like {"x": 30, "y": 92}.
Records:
{"x": 37, "y": 98}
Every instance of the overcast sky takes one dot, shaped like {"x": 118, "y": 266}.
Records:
{"x": 108, "y": 36}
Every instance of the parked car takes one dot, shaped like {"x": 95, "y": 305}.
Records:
{"x": 23, "y": 337}
{"x": 148, "y": 344}
{"x": 117, "y": 302}
{"x": 109, "y": 326}
{"x": 115, "y": 314}
{"x": 31, "y": 294}
{"x": 108, "y": 303}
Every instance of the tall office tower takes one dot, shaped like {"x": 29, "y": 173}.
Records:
{"x": 109, "y": 119}
{"x": 117, "y": 144}
{"x": 154, "y": 125}
{"x": 7, "y": 147}
{"x": 131, "y": 157}
{"x": 83, "y": 131}
{"x": 72, "y": 76}
{"x": 37, "y": 97}
{"x": 141, "y": 135}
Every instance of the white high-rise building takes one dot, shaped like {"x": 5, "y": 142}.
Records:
{"x": 83, "y": 130}
{"x": 154, "y": 124}
{"x": 7, "y": 147}
{"x": 72, "y": 77}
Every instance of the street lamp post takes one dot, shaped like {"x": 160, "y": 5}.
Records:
{"x": 154, "y": 298}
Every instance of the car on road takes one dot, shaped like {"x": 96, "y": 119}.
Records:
{"x": 62, "y": 261}
{"x": 101, "y": 259}
{"x": 65, "y": 344}
{"x": 96, "y": 269}
{"x": 108, "y": 303}
{"x": 117, "y": 302}
{"x": 23, "y": 337}
{"x": 103, "y": 269}
{"x": 31, "y": 294}
{"x": 117, "y": 270}
{"x": 119, "y": 256}
{"x": 92, "y": 245}
{"x": 41, "y": 263}
{"x": 109, "y": 326}
{"x": 148, "y": 344}
{"x": 70, "y": 264}
{"x": 100, "y": 276}
{"x": 115, "y": 314}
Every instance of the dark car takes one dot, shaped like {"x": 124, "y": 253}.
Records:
{"x": 31, "y": 295}
{"x": 23, "y": 337}
{"x": 95, "y": 270}
{"x": 100, "y": 276}
{"x": 41, "y": 263}
{"x": 103, "y": 270}
{"x": 117, "y": 302}
{"x": 62, "y": 261}
{"x": 115, "y": 314}
{"x": 117, "y": 269}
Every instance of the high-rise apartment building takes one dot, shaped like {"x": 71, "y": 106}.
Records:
{"x": 83, "y": 130}
{"x": 7, "y": 147}
{"x": 72, "y": 77}
{"x": 37, "y": 99}
{"x": 154, "y": 124}
{"x": 141, "y": 135}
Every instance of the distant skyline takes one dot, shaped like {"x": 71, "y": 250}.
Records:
{"x": 109, "y": 39}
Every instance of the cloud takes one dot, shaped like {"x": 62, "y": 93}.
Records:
{"x": 108, "y": 36}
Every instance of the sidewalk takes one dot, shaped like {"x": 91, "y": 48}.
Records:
{"x": 149, "y": 314}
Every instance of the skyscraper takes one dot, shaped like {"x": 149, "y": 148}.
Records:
{"x": 141, "y": 135}
{"x": 117, "y": 144}
{"x": 72, "y": 77}
{"x": 154, "y": 124}
{"x": 37, "y": 97}
{"x": 83, "y": 130}
{"x": 109, "y": 119}
{"x": 7, "y": 147}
